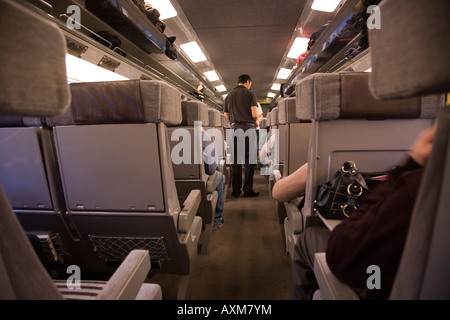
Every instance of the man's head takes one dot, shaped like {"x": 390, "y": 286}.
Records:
{"x": 245, "y": 80}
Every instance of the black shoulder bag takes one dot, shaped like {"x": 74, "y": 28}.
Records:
{"x": 337, "y": 198}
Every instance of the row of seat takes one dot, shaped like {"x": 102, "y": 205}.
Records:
{"x": 190, "y": 174}
{"x": 112, "y": 182}
{"x": 408, "y": 73}
{"x": 347, "y": 123}
{"x": 350, "y": 122}
{"x": 87, "y": 168}
{"x": 42, "y": 91}
{"x": 344, "y": 126}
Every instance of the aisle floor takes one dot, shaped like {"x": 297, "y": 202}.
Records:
{"x": 246, "y": 258}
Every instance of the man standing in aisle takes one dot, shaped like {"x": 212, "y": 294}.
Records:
{"x": 241, "y": 107}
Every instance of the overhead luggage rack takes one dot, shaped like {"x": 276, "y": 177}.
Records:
{"x": 126, "y": 18}
{"x": 179, "y": 72}
{"x": 328, "y": 52}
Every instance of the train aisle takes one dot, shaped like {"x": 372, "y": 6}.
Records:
{"x": 246, "y": 258}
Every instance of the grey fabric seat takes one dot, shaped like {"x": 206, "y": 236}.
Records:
{"x": 226, "y": 167}
{"x": 423, "y": 269}
{"x": 38, "y": 92}
{"x": 294, "y": 137}
{"x": 215, "y": 123}
{"x": 190, "y": 173}
{"x": 217, "y": 133}
{"x": 30, "y": 178}
{"x": 118, "y": 181}
{"x": 349, "y": 124}
{"x": 275, "y": 166}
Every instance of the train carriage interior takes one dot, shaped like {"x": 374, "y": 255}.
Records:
{"x": 104, "y": 110}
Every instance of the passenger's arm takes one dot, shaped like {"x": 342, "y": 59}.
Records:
{"x": 292, "y": 186}
{"x": 255, "y": 115}
{"x": 421, "y": 148}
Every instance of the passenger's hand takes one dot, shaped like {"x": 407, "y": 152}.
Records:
{"x": 421, "y": 148}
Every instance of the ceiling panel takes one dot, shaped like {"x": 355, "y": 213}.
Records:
{"x": 246, "y": 36}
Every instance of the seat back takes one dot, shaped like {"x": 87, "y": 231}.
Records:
{"x": 114, "y": 155}
{"x": 349, "y": 124}
{"x": 423, "y": 269}
{"x": 194, "y": 118}
{"x": 187, "y": 139}
{"x": 296, "y": 136}
{"x": 226, "y": 168}
{"x": 26, "y": 92}
{"x": 30, "y": 178}
{"x": 217, "y": 133}
{"x": 268, "y": 118}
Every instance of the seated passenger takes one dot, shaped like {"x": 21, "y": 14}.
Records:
{"x": 210, "y": 168}
{"x": 374, "y": 234}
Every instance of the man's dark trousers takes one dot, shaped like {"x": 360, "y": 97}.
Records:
{"x": 249, "y": 160}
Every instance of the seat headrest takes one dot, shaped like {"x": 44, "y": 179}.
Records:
{"x": 128, "y": 101}
{"x": 274, "y": 116}
{"x": 214, "y": 118}
{"x": 194, "y": 111}
{"x": 410, "y": 50}
{"x": 19, "y": 121}
{"x": 346, "y": 95}
{"x": 225, "y": 121}
{"x": 263, "y": 123}
{"x": 286, "y": 111}
{"x": 268, "y": 118}
{"x": 33, "y": 78}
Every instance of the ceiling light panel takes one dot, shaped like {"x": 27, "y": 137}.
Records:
{"x": 165, "y": 8}
{"x": 325, "y": 5}
{"x": 211, "y": 75}
{"x": 299, "y": 46}
{"x": 221, "y": 88}
{"x": 193, "y": 51}
{"x": 284, "y": 73}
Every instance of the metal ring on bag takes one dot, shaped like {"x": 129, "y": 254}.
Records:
{"x": 352, "y": 169}
{"x": 350, "y": 189}
{"x": 344, "y": 209}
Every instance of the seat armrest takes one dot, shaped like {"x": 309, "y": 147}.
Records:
{"x": 127, "y": 280}
{"x": 294, "y": 215}
{"x": 189, "y": 211}
{"x": 330, "y": 287}
{"x": 211, "y": 183}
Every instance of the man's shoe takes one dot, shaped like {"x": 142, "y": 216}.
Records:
{"x": 251, "y": 194}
